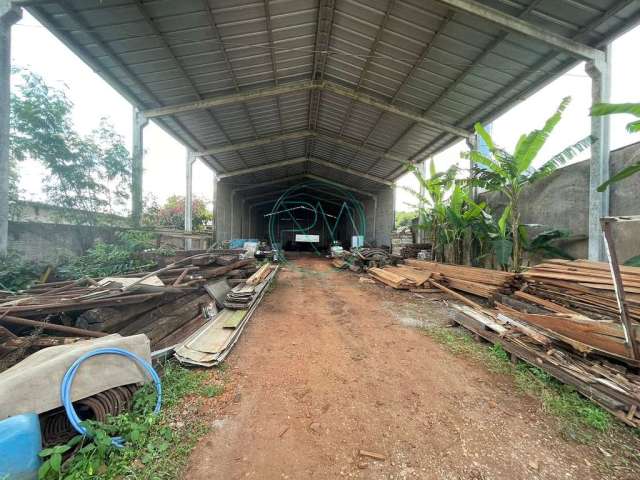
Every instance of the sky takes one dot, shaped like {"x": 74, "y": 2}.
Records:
{"x": 35, "y": 48}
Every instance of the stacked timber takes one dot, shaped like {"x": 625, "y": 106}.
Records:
{"x": 584, "y": 286}
{"x": 166, "y": 304}
{"x": 477, "y": 281}
{"x": 394, "y": 280}
{"x": 590, "y": 355}
{"x": 243, "y": 295}
{"x": 411, "y": 250}
{"x": 211, "y": 343}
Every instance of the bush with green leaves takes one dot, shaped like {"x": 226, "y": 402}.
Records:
{"x": 17, "y": 273}
{"x": 106, "y": 259}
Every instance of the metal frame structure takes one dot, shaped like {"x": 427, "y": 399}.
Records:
{"x": 346, "y": 90}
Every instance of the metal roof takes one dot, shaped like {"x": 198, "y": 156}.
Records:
{"x": 362, "y": 84}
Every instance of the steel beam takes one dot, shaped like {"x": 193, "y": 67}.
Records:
{"x": 387, "y": 107}
{"x": 600, "y": 73}
{"x": 531, "y": 30}
{"x": 324, "y": 26}
{"x": 302, "y": 86}
{"x": 515, "y": 87}
{"x": 261, "y": 141}
{"x": 124, "y": 88}
{"x": 230, "y": 99}
{"x": 8, "y": 16}
{"x": 361, "y": 148}
{"x": 296, "y": 136}
{"x": 137, "y": 165}
{"x": 350, "y": 171}
{"x": 259, "y": 168}
{"x": 295, "y": 161}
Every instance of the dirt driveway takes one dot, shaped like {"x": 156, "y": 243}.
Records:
{"x": 327, "y": 367}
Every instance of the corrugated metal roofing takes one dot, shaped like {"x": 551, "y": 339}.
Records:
{"x": 417, "y": 55}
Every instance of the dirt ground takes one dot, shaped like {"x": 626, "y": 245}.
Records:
{"x": 329, "y": 366}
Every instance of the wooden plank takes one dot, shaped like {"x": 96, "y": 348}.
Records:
{"x": 456, "y": 295}
{"x": 554, "y": 307}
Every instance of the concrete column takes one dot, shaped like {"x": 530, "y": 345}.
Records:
{"x": 214, "y": 223}
{"x": 600, "y": 73}
{"x": 188, "y": 199}
{"x": 424, "y": 171}
{"x": 8, "y": 16}
{"x": 137, "y": 152}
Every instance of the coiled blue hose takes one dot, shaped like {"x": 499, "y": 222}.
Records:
{"x": 67, "y": 382}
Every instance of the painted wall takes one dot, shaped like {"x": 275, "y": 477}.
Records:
{"x": 561, "y": 201}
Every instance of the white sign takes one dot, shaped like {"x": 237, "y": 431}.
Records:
{"x": 307, "y": 238}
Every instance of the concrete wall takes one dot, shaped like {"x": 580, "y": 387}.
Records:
{"x": 49, "y": 242}
{"x": 562, "y": 199}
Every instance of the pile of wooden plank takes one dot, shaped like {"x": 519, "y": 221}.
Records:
{"x": 581, "y": 353}
{"x": 166, "y": 304}
{"x": 400, "y": 277}
{"x": 212, "y": 342}
{"x": 243, "y": 295}
{"x": 477, "y": 281}
{"x": 584, "y": 286}
{"x": 411, "y": 250}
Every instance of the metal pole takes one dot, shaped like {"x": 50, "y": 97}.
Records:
{"x": 188, "y": 201}
{"x": 214, "y": 222}
{"x": 8, "y": 16}
{"x": 600, "y": 73}
{"x": 614, "y": 266}
{"x": 137, "y": 153}
{"x": 421, "y": 205}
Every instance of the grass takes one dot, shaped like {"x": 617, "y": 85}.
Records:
{"x": 579, "y": 418}
{"x": 157, "y": 447}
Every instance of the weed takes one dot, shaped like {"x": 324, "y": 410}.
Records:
{"x": 580, "y": 419}
{"x": 157, "y": 447}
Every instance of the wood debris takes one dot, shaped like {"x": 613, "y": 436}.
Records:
{"x": 165, "y": 304}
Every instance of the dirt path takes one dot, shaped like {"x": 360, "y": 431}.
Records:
{"x": 325, "y": 369}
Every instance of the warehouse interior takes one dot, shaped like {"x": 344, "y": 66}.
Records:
{"x": 272, "y": 93}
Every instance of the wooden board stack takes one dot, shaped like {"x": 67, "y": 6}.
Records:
{"x": 477, "y": 281}
{"x": 584, "y": 286}
{"x": 392, "y": 279}
{"x": 166, "y": 304}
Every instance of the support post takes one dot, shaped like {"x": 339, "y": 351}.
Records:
{"x": 214, "y": 222}
{"x": 137, "y": 152}
{"x": 421, "y": 237}
{"x": 600, "y": 73}
{"x": 8, "y": 16}
{"x": 188, "y": 200}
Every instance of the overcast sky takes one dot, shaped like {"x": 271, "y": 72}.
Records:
{"x": 164, "y": 173}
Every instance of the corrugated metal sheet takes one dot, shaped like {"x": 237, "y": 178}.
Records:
{"x": 417, "y": 55}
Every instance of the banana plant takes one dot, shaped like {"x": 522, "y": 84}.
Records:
{"x": 601, "y": 109}
{"x": 461, "y": 213}
{"x": 510, "y": 173}
{"x": 432, "y": 205}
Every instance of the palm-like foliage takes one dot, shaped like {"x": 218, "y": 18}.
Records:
{"x": 432, "y": 204}
{"x": 600, "y": 109}
{"x": 510, "y": 173}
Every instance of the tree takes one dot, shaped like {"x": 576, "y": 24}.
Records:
{"x": 432, "y": 205}
{"x": 87, "y": 175}
{"x": 171, "y": 214}
{"x": 405, "y": 219}
{"x": 511, "y": 173}
{"x": 632, "y": 127}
